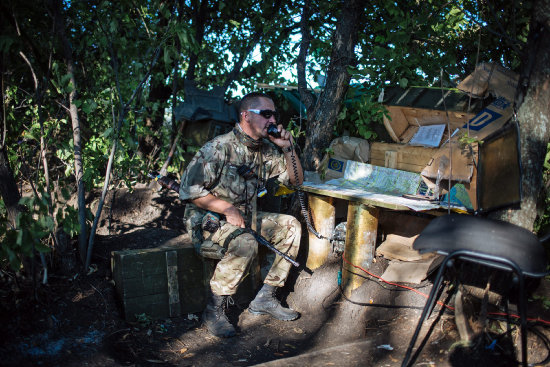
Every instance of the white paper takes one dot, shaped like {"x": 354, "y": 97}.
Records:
{"x": 428, "y": 136}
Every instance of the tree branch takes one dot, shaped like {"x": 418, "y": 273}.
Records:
{"x": 301, "y": 60}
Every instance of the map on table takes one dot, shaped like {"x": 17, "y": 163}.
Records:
{"x": 378, "y": 179}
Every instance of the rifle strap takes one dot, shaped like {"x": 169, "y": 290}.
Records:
{"x": 236, "y": 233}
{"x": 253, "y": 225}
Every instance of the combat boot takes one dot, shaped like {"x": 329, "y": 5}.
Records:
{"x": 215, "y": 319}
{"x": 265, "y": 303}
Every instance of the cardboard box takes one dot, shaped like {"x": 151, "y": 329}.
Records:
{"x": 491, "y": 79}
{"x": 404, "y": 122}
{"x": 342, "y": 149}
{"x": 400, "y": 156}
{"x": 336, "y": 166}
{"x": 461, "y": 159}
{"x": 413, "y": 107}
{"x": 499, "y": 179}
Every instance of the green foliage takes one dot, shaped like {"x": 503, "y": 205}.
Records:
{"x": 542, "y": 223}
{"x": 30, "y": 231}
{"x": 34, "y": 225}
{"x": 545, "y": 300}
{"x": 465, "y": 140}
{"x": 114, "y": 44}
{"x": 295, "y": 128}
{"x": 359, "y": 114}
{"x": 143, "y": 320}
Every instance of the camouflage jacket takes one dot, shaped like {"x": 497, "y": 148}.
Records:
{"x": 213, "y": 170}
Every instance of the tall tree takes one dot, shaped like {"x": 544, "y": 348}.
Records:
{"x": 533, "y": 115}
{"x": 60, "y": 25}
{"x": 322, "y": 115}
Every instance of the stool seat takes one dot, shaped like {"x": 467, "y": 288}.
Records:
{"x": 453, "y": 232}
{"x": 485, "y": 241}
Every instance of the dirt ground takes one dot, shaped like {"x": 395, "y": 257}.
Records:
{"x": 76, "y": 319}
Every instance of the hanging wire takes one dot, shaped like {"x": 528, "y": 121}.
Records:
{"x": 450, "y": 145}
{"x": 475, "y": 79}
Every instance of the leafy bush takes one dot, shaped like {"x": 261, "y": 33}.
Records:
{"x": 33, "y": 227}
{"x": 359, "y": 114}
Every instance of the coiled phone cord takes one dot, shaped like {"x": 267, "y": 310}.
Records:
{"x": 302, "y": 199}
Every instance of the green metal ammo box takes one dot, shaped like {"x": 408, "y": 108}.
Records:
{"x": 166, "y": 281}
{"x": 170, "y": 280}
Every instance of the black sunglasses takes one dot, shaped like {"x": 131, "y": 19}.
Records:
{"x": 266, "y": 113}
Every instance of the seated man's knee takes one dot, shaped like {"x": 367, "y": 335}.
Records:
{"x": 297, "y": 225}
{"x": 244, "y": 245}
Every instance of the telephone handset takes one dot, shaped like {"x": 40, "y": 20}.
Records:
{"x": 273, "y": 131}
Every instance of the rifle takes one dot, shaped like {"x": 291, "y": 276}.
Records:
{"x": 261, "y": 240}
{"x": 165, "y": 181}
{"x": 173, "y": 185}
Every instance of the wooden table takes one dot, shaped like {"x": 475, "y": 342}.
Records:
{"x": 362, "y": 224}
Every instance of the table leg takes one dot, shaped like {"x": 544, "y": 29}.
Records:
{"x": 362, "y": 224}
{"x": 324, "y": 220}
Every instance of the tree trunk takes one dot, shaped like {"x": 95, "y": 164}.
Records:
{"x": 78, "y": 165}
{"x": 8, "y": 187}
{"x": 159, "y": 93}
{"x": 199, "y": 23}
{"x": 301, "y": 60}
{"x": 533, "y": 116}
{"x": 323, "y": 117}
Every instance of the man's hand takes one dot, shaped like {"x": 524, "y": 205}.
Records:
{"x": 233, "y": 216}
{"x": 285, "y": 140}
{"x": 213, "y": 204}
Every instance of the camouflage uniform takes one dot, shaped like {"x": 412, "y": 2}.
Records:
{"x": 213, "y": 170}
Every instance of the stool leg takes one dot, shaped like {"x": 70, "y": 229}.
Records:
{"x": 425, "y": 312}
{"x": 522, "y": 305}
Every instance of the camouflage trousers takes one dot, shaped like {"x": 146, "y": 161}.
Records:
{"x": 281, "y": 230}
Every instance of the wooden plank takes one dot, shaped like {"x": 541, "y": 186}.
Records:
{"x": 344, "y": 196}
{"x": 390, "y": 159}
{"x": 172, "y": 282}
{"x": 401, "y": 166}
{"x": 407, "y": 153}
{"x": 402, "y": 223}
{"x": 471, "y": 189}
{"x": 397, "y": 247}
{"x": 397, "y": 123}
{"x": 430, "y": 117}
{"x": 408, "y": 158}
{"x": 194, "y": 274}
{"x": 403, "y": 157}
{"x": 408, "y": 134}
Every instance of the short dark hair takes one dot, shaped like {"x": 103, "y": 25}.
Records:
{"x": 251, "y": 99}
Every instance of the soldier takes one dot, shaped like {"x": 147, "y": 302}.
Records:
{"x": 221, "y": 185}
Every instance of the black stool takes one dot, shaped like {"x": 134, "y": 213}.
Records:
{"x": 484, "y": 241}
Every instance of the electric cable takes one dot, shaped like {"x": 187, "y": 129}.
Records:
{"x": 396, "y": 284}
{"x": 537, "y": 320}
{"x": 382, "y": 305}
{"x": 537, "y": 333}
{"x": 509, "y": 317}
